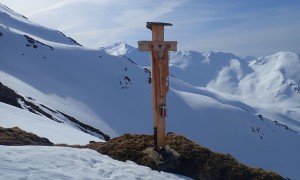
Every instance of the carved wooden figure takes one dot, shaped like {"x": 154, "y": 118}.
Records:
{"x": 159, "y": 50}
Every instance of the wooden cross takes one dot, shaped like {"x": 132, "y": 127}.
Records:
{"x": 159, "y": 50}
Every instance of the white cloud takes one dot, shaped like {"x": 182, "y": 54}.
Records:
{"x": 99, "y": 23}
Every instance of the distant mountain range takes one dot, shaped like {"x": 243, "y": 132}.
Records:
{"x": 270, "y": 83}
{"x": 245, "y": 106}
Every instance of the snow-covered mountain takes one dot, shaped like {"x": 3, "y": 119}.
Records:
{"x": 119, "y": 48}
{"x": 122, "y": 49}
{"x": 113, "y": 94}
{"x": 193, "y": 67}
{"x": 269, "y": 83}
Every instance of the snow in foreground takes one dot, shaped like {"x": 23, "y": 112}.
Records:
{"x": 42, "y": 162}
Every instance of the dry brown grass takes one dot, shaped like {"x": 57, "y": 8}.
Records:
{"x": 17, "y": 137}
{"x": 196, "y": 162}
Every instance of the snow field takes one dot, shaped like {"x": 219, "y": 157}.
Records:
{"x": 38, "y": 162}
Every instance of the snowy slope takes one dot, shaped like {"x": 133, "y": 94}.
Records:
{"x": 113, "y": 94}
{"x": 18, "y": 23}
{"x": 36, "y": 162}
{"x": 42, "y": 126}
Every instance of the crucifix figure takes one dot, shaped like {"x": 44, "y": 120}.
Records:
{"x": 159, "y": 50}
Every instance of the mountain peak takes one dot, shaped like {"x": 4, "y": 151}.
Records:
{"x": 122, "y": 43}
{"x": 119, "y": 48}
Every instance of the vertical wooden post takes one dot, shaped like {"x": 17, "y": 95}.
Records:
{"x": 159, "y": 77}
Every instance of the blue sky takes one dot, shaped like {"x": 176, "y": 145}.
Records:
{"x": 256, "y": 27}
